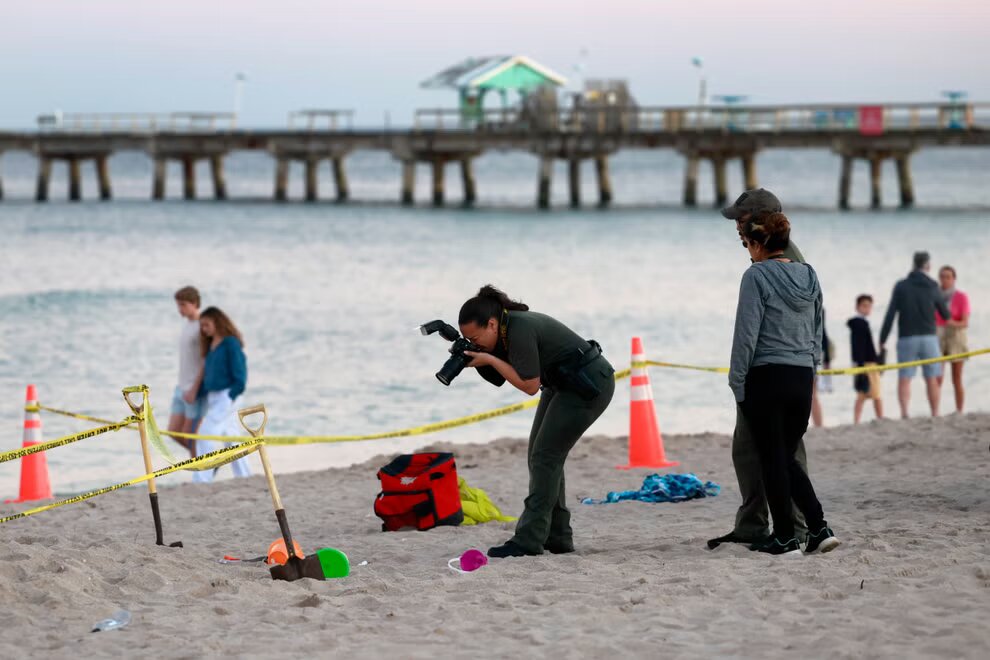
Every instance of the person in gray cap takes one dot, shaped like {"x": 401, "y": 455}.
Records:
{"x": 914, "y": 302}
{"x": 753, "y": 517}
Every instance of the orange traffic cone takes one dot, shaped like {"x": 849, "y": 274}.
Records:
{"x": 34, "y": 467}
{"x": 645, "y": 441}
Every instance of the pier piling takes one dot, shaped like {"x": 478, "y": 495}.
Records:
{"x": 219, "y": 179}
{"x": 470, "y": 185}
{"x": 691, "y": 181}
{"x": 75, "y": 180}
{"x": 749, "y": 171}
{"x": 340, "y": 178}
{"x": 438, "y": 184}
{"x": 545, "y": 179}
{"x": 845, "y": 181}
{"x": 158, "y": 181}
{"x": 721, "y": 190}
{"x": 408, "y": 182}
{"x": 604, "y": 181}
{"x": 904, "y": 180}
{"x": 103, "y": 177}
{"x": 189, "y": 177}
{"x": 876, "y": 163}
{"x": 44, "y": 175}
{"x": 281, "y": 179}
{"x": 574, "y": 179}
{"x": 312, "y": 181}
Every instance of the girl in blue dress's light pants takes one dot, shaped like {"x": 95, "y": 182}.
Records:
{"x": 220, "y": 419}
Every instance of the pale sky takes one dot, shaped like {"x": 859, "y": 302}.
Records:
{"x": 371, "y": 55}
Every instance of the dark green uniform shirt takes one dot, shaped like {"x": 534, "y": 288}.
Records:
{"x": 793, "y": 253}
{"x": 536, "y": 341}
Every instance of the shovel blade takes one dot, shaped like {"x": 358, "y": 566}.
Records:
{"x": 297, "y": 569}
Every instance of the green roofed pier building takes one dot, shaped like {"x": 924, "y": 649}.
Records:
{"x": 475, "y": 77}
{"x": 534, "y": 87}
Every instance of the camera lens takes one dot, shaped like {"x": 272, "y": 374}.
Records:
{"x": 451, "y": 368}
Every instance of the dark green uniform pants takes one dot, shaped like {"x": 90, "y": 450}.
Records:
{"x": 561, "y": 419}
{"x": 753, "y": 517}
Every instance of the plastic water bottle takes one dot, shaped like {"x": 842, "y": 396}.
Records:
{"x": 119, "y": 619}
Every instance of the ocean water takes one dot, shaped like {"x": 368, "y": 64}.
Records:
{"x": 329, "y": 296}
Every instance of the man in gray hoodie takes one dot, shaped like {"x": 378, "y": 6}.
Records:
{"x": 753, "y": 516}
{"x": 915, "y": 301}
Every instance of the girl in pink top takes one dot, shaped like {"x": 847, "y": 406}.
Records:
{"x": 952, "y": 333}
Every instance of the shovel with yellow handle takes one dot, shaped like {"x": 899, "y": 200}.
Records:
{"x": 141, "y": 412}
{"x": 295, "y": 567}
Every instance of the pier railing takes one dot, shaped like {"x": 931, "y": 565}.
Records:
{"x": 323, "y": 120}
{"x": 855, "y": 118}
{"x": 136, "y": 122}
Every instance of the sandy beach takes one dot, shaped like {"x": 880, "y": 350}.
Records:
{"x": 909, "y": 500}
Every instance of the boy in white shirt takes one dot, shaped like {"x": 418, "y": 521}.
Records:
{"x": 187, "y": 407}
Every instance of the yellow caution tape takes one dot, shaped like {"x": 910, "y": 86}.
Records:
{"x": 514, "y": 408}
{"x": 852, "y": 371}
{"x": 299, "y": 440}
{"x": 155, "y": 436}
{"x": 65, "y": 440}
{"x": 213, "y": 459}
{"x": 66, "y": 413}
{"x": 147, "y": 418}
{"x": 671, "y": 365}
{"x": 403, "y": 433}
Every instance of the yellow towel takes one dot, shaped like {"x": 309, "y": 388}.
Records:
{"x": 477, "y": 507}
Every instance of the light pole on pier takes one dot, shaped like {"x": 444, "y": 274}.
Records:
{"x": 239, "y": 81}
{"x": 699, "y": 64}
{"x": 580, "y": 69}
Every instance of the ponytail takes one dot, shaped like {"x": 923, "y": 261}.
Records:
{"x": 771, "y": 230}
{"x": 487, "y": 305}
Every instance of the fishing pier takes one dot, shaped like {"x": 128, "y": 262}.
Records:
{"x": 716, "y": 135}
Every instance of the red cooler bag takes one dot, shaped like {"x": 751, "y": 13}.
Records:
{"x": 419, "y": 490}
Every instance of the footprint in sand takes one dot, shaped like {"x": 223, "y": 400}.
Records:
{"x": 216, "y": 586}
{"x": 311, "y": 600}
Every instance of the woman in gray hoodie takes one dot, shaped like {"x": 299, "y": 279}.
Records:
{"x": 776, "y": 345}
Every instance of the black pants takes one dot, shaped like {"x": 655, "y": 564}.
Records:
{"x": 777, "y": 407}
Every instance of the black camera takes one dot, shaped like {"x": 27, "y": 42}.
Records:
{"x": 455, "y": 365}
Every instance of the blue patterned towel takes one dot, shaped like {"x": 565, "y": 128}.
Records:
{"x": 666, "y": 488}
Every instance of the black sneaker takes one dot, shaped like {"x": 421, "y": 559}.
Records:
{"x": 559, "y": 546}
{"x": 821, "y": 541}
{"x": 774, "y": 546}
{"x": 509, "y": 549}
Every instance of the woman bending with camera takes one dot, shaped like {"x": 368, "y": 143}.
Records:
{"x": 533, "y": 351}
{"x": 777, "y": 343}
